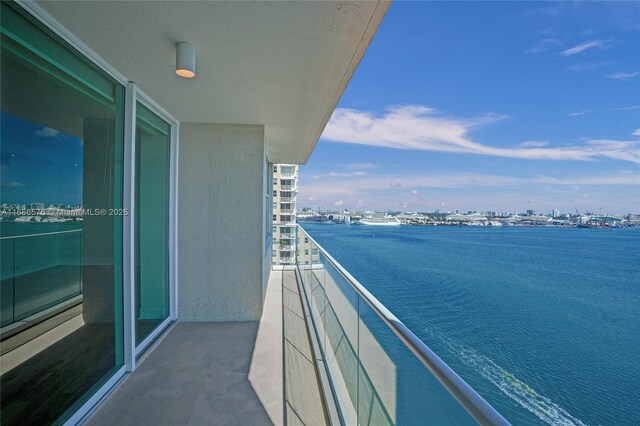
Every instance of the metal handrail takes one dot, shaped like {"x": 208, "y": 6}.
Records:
{"x": 15, "y": 237}
{"x": 475, "y": 404}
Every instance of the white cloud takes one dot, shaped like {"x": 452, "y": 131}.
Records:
{"x": 361, "y": 166}
{"x": 405, "y": 205}
{"x": 536, "y": 144}
{"x": 544, "y": 45}
{"x": 356, "y": 188}
{"x": 622, "y": 75}
{"x": 588, "y": 66}
{"x": 584, "y": 46}
{"x": 583, "y": 112}
{"x": 311, "y": 198}
{"x": 47, "y": 132}
{"x": 474, "y": 191}
{"x": 347, "y": 174}
{"x": 636, "y": 132}
{"x": 622, "y": 178}
{"x": 415, "y": 192}
{"x": 418, "y": 127}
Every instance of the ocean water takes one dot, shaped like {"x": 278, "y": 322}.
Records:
{"x": 543, "y": 322}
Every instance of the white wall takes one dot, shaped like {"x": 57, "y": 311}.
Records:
{"x": 221, "y": 230}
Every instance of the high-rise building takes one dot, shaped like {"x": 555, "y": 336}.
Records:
{"x": 285, "y": 188}
{"x": 555, "y": 213}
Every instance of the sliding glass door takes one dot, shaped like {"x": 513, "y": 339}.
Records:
{"x": 61, "y": 228}
{"x": 85, "y": 264}
{"x": 152, "y": 172}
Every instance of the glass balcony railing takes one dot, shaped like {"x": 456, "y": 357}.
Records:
{"x": 39, "y": 271}
{"x": 378, "y": 371}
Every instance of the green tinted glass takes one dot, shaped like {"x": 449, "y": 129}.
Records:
{"x": 152, "y": 221}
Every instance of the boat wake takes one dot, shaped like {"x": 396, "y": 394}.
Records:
{"x": 541, "y": 406}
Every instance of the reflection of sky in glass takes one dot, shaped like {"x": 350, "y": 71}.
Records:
{"x": 39, "y": 164}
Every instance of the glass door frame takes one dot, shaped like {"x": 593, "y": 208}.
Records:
{"x": 134, "y": 96}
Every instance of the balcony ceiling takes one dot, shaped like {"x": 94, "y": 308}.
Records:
{"x": 283, "y": 65}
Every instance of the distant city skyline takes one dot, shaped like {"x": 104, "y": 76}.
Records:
{"x": 502, "y": 106}
{"x": 491, "y": 212}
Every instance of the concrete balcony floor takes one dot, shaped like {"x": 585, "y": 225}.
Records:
{"x": 224, "y": 373}
{"x": 197, "y": 375}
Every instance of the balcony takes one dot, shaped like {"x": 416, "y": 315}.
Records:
{"x": 288, "y": 188}
{"x": 158, "y": 313}
{"x": 237, "y": 373}
{"x": 324, "y": 352}
{"x": 291, "y": 221}
{"x": 289, "y": 175}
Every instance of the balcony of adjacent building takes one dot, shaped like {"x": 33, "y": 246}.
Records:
{"x": 287, "y": 220}
{"x": 286, "y": 235}
{"x": 288, "y": 185}
{"x": 288, "y": 175}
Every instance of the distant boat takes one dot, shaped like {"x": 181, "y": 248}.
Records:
{"x": 587, "y": 225}
{"x": 383, "y": 221}
{"x": 599, "y": 222}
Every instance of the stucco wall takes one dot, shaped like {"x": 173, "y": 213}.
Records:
{"x": 220, "y": 225}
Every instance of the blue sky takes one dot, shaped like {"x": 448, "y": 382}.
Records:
{"x": 39, "y": 164}
{"x": 501, "y": 106}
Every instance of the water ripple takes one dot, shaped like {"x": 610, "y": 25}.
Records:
{"x": 539, "y": 405}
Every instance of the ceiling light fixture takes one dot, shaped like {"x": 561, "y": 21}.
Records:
{"x": 185, "y": 60}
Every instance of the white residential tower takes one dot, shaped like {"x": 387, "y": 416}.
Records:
{"x": 285, "y": 188}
